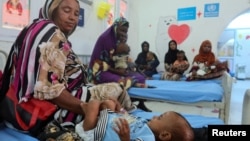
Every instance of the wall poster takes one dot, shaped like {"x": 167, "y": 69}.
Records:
{"x": 15, "y": 14}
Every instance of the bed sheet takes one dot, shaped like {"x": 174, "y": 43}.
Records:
{"x": 181, "y": 91}
{"x": 196, "y": 121}
{"x": 12, "y": 135}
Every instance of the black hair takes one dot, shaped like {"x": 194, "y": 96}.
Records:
{"x": 183, "y": 52}
{"x": 172, "y": 41}
{"x": 145, "y": 42}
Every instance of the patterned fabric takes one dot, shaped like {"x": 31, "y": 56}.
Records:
{"x": 175, "y": 71}
{"x": 170, "y": 76}
{"x": 114, "y": 90}
{"x": 208, "y": 58}
{"x": 216, "y": 72}
{"x": 54, "y": 131}
{"x": 120, "y": 22}
{"x": 47, "y": 65}
{"x": 142, "y": 62}
{"x": 46, "y": 12}
{"x": 101, "y": 60}
{"x": 48, "y": 8}
{"x": 104, "y": 130}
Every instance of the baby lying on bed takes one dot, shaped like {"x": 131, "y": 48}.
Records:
{"x": 108, "y": 121}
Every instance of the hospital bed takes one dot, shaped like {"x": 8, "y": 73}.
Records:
{"x": 196, "y": 121}
{"x": 213, "y": 93}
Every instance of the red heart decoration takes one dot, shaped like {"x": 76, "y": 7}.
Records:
{"x": 178, "y": 33}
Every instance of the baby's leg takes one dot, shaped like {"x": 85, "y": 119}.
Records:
{"x": 91, "y": 114}
{"x": 108, "y": 104}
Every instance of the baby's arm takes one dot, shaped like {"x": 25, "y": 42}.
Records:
{"x": 118, "y": 108}
{"x": 91, "y": 110}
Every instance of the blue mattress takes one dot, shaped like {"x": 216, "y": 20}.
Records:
{"x": 7, "y": 134}
{"x": 180, "y": 91}
{"x": 196, "y": 121}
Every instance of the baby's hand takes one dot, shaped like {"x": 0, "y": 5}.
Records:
{"x": 122, "y": 129}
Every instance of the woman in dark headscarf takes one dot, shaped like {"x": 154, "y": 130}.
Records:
{"x": 143, "y": 65}
{"x": 171, "y": 55}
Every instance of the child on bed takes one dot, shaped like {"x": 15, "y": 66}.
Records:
{"x": 109, "y": 125}
{"x": 179, "y": 66}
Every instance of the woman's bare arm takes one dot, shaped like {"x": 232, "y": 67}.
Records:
{"x": 67, "y": 101}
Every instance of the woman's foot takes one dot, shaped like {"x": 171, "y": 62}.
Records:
{"x": 132, "y": 108}
{"x": 143, "y": 107}
{"x": 142, "y": 85}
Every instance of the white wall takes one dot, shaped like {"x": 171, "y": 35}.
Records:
{"x": 7, "y": 36}
{"x": 145, "y": 14}
{"x": 83, "y": 39}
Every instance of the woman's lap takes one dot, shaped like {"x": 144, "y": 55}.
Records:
{"x": 106, "y": 77}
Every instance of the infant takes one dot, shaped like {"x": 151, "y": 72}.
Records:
{"x": 121, "y": 56}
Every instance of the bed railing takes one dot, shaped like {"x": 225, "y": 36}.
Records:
{"x": 246, "y": 108}
{"x": 3, "y": 59}
{"x": 85, "y": 59}
{"x": 227, "y": 84}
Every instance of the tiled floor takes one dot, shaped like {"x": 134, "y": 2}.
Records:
{"x": 238, "y": 91}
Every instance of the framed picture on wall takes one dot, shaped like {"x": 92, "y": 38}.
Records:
{"x": 14, "y": 17}
{"x": 111, "y": 14}
{"x": 15, "y": 14}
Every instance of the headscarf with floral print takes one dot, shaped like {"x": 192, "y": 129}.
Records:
{"x": 46, "y": 12}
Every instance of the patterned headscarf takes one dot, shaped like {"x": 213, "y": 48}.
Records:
{"x": 46, "y": 12}
{"x": 48, "y": 8}
{"x": 121, "y": 21}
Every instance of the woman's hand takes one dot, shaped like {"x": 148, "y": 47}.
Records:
{"x": 122, "y": 72}
{"x": 123, "y": 130}
{"x": 119, "y": 71}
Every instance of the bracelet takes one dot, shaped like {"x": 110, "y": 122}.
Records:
{"x": 122, "y": 110}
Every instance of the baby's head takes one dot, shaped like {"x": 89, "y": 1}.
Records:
{"x": 181, "y": 55}
{"x": 150, "y": 56}
{"x": 122, "y": 48}
{"x": 171, "y": 126}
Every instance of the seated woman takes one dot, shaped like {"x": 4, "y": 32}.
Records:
{"x": 176, "y": 70}
{"x": 171, "y": 55}
{"x": 102, "y": 67}
{"x": 121, "y": 56}
{"x": 205, "y": 65}
{"x": 146, "y": 62}
{"x": 42, "y": 65}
